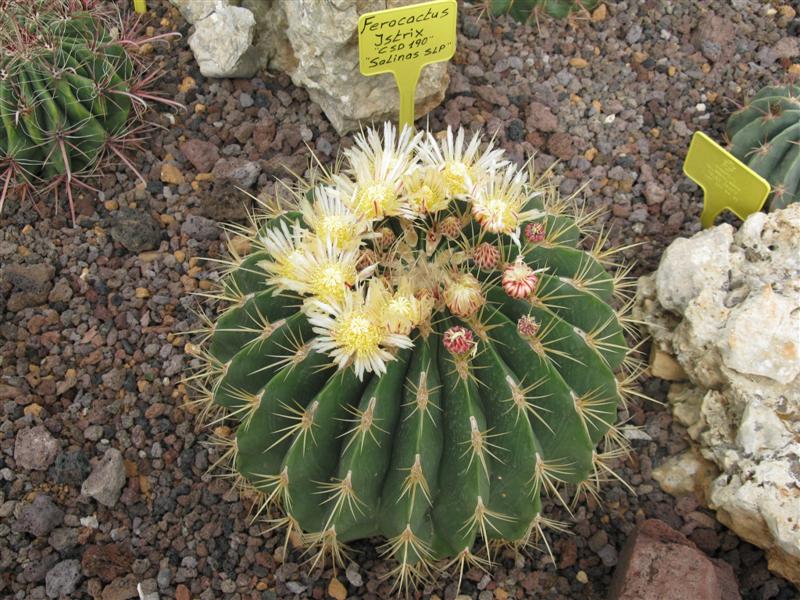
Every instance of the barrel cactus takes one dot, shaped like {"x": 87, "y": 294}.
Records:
{"x": 526, "y": 10}
{"x": 765, "y": 135}
{"x": 420, "y": 351}
{"x": 71, "y": 94}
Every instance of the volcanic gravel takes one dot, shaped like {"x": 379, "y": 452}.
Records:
{"x": 103, "y": 484}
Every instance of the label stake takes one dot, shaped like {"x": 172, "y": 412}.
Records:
{"x": 726, "y": 181}
{"x": 403, "y": 40}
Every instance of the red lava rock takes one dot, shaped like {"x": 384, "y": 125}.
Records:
{"x": 123, "y": 588}
{"x": 659, "y": 563}
{"x": 714, "y": 37}
{"x": 107, "y": 561}
{"x": 182, "y": 593}
{"x": 541, "y": 118}
{"x": 569, "y": 554}
{"x": 202, "y": 154}
{"x": 561, "y": 145}
{"x": 264, "y": 134}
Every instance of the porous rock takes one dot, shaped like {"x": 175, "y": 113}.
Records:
{"x": 63, "y": 579}
{"x": 39, "y": 517}
{"x": 727, "y": 306}
{"x": 107, "y": 478}
{"x": 35, "y": 448}
{"x": 315, "y": 43}
{"x": 659, "y": 563}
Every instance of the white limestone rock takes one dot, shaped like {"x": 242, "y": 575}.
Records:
{"x": 194, "y": 10}
{"x": 316, "y": 43}
{"x": 222, "y": 43}
{"x": 734, "y": 327}
{"x": 679, "y": 475}
{"x": 690, "y": 265}
{"x": 761, "y": 336}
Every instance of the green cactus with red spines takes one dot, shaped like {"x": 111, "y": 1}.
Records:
{"x": 443, "y": 360}
{"x": 71, "y": 95}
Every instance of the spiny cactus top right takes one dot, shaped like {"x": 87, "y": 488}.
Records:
{"x": 765, "y": 135}
{"x": 525, "y": 10}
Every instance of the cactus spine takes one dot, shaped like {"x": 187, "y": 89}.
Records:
{"x": 765, "y": 135}
{"x": 420, "y": 352}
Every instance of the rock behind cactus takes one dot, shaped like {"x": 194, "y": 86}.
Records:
{"x": 525, "y": 11}
{"x": 495, "y": 392}
{"x": 68, "y": 89}
{"x": 765, "y": 135}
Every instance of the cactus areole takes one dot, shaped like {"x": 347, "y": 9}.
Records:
{"x": 401, "y": 360}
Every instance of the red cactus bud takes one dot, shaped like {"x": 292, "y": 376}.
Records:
{"x": 534, "y": 232}
{"x": 459, "y": 340}
{"x": 527, "y": 326}
{"x": 486, "y": 256}
{"x": 450, "y": 227}
{"x": 519, "y": 280}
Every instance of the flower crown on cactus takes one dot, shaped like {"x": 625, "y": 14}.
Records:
{"x": 418, "y": 351}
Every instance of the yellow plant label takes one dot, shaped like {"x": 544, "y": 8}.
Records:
{"x": 726, "y": 181}
{"x": 402, "y": 41}
{"x": 140, "y": 6}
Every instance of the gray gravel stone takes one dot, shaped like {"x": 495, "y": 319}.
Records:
{"x": 634, "y": 34}
{"x": 39, "y": 517}
{"x": 236, "y": 171}
{"x": 135, "y": 229}
{"x": 107, "y": 479}
{"x": 62, "y": 580}
{"x": 35, "y": 448}
{"x": 93, "y": 433}
{"x": 164, "y": 578}
{"x": 197, "y": 227}
{"x": 63, "y": 538}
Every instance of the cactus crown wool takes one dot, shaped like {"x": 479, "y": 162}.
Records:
{"x": 419, "y": 351}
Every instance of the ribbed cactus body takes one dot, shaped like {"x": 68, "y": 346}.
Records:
{"x": 60, "y": 100}
{"x": 765, "y": 135}
{"x": 466, "y": 430}
{"x": 70, "y": 94}
{"x": 526, "y": 10}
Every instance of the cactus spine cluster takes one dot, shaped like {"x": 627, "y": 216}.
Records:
{"x": 526, "y": 10}
{"x": 765, "y": 135}
{"x": 421, "y": 351}
{"x": 70, "y": 95}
